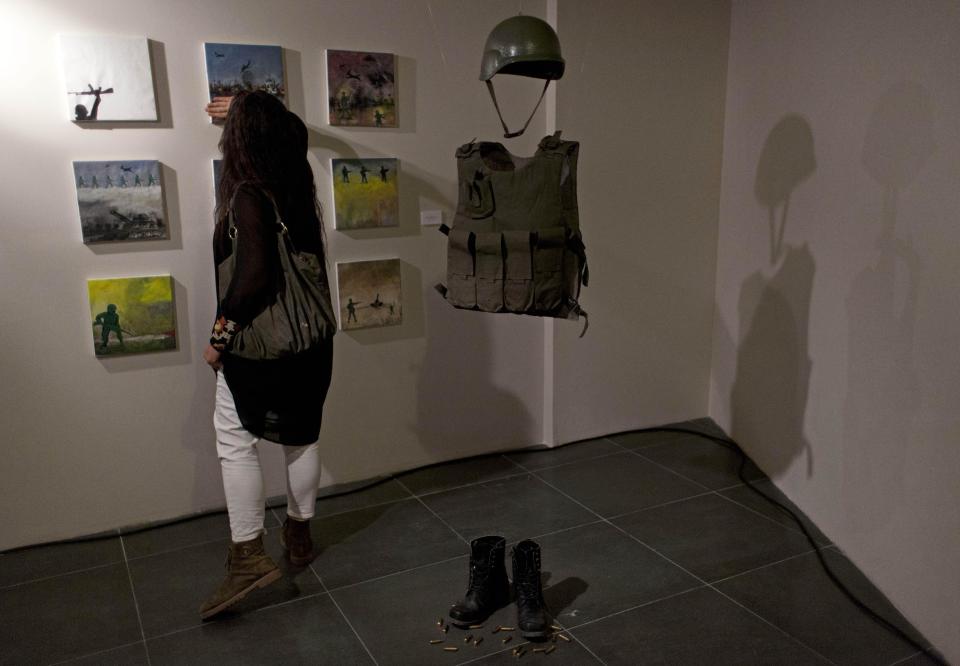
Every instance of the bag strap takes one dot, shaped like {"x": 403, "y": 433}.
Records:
{"x": 281, "y": 228}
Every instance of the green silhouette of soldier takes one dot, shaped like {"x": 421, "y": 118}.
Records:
{"x": 346, "y": 173}
{"x": 363, "y": 173}
{"x": 136, "y": 180}
{"x": 378, "y": 118}
{"x": 351, "y": 310}
{"x": 109, "y": 321}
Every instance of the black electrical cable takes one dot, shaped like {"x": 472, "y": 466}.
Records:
{"x": 726, "y": 442}
{"x": 730, "y": 444}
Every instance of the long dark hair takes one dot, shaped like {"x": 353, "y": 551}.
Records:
{"x": 266, "y": 145}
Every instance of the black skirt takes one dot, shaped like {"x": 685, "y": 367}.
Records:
{"x": 281, "y": 400}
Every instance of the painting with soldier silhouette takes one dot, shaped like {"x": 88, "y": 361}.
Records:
{"x": 369, "y": 294}
{"x": 108, "y": 78}
{"x": 365, "y": 193}
{"x": 361, "y": 88}
{"x": 132, "y": 315}
{"x": 232, "y": 68}
{"x": 120, "y": 200}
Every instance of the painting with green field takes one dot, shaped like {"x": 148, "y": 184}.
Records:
{"x": 132, "y": 315}
{"x": 365, "y": 193}
{"x": 370, "y": 294}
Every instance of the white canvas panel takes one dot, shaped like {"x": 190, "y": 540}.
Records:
{"x": 105, "y": 62}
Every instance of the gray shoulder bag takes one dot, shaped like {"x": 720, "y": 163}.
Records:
{"x": 301, "y": 315}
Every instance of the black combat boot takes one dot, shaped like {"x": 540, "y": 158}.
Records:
{"x": 531, "y": 611}
{"x": 489, "y": 588}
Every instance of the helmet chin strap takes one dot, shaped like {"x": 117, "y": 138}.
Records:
{"x": 507, "y": 134}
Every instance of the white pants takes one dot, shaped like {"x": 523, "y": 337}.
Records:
{"x": 243, "y": 479}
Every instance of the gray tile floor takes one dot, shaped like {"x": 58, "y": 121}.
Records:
{"x": 654, "y": 552}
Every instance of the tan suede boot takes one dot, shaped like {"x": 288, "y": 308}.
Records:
{"x": 248, "y": 567}
{"x": 296, "y": 538}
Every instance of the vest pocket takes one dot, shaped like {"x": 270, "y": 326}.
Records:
{"x": 548, "y": 268}
{"x": 490, "y": 271}
{"x": 518, "y": 285}
{"x": 461, "y": 273}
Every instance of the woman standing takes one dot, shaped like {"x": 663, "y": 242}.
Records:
{"x": 265, "y": 179}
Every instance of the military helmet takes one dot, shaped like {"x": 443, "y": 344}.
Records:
{"x": 524, "y": 46}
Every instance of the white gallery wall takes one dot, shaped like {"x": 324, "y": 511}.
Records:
{"x": 835, "y": 359}
{"x": 91, "y": 444}
{"x": 644, "y": 92}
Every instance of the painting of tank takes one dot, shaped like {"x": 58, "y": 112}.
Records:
{"x": 120, "y": 201}
{"x": 361, "y": 88}
{"x": 232, "y": 68}
{"x": 132, "y": 315}
{"x": 365, "y": 193}
{"x": 370, "y": 294}
{"x": 108, "y": 78}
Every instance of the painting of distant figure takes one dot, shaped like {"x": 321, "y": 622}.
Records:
{"x": 362, "y": 88}
{"x": 232, "y": 68}
{"x": 120, "y": 201}
{"x": 132, "y": 315}
{"x": 369, "y": 294}
{"x": 365, "y": 193}
{"x": 108, "y": 78}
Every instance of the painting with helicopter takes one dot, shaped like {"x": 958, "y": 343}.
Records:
{"x": 362, "y": 88}
{"x": 232, "y": 68}
{"x": 108, "y": 78}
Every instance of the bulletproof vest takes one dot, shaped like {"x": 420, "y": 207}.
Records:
{"x": 515, "y": 243}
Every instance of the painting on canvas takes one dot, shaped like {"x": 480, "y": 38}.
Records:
{"x": 108, "y": 78}
{"x": 232, "y": 68}
{"x": 365, "y": 193}
{"x": 361, "y": 88}
{"x": 132, "y": 315}
{"x": 120, "y": 201}
{"x": 369, "y": 294}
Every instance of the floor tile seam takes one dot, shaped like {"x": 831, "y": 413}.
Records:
{"x": 346, "y": 619}
{"x": 672, "y": 471}
{"x": 809, "y": 551}
{"x": 512, "y": 475}
{"x": 792, "y": 527}
{"x": 623, "y": 531}
{"x": 448, "y": 559}
{"x": 347, "y": 586}
{"x": 690, "y": 573}
{"x": 783, "y": 631}
{"x": 632, "y": 512}
{"x": 87, "y": 655}
{"x": 133, "y": 594}
{"x": 205, "y": 623}
{"x": 336, "y": 605}
{"x": 579, "y": 460}
{"x": 437, "y": 516}
{"x": 907, "y": 658}
{"x": 718, "y": 591}
{"x": 58, "y": 575}
{"x": 574, "y": 627}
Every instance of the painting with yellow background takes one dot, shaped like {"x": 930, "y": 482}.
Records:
{"x": 365, "y": 193}
{"x": 132, "y": 315}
